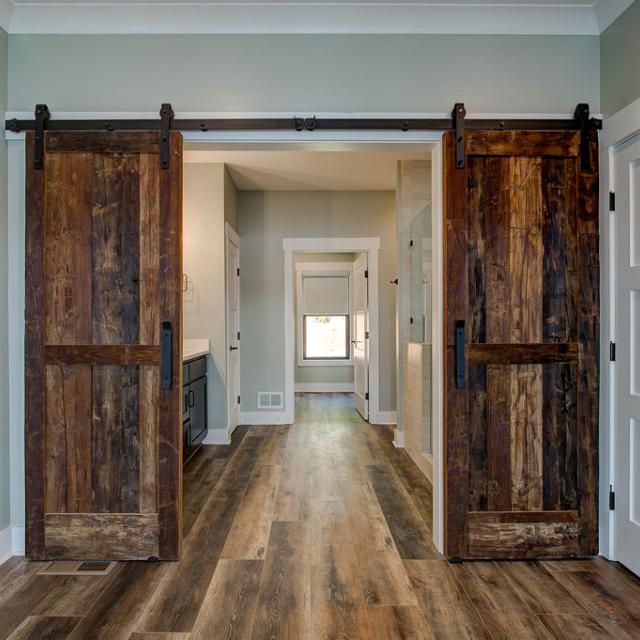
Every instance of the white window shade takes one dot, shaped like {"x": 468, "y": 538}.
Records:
{"x": 325, "y": 295}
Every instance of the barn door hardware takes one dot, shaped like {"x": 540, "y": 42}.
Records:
{"x": 457, "y": 115}
{"x": 166, "y": 117}
{"x": 583, "y": 121}
{"x": 42, "y": 116}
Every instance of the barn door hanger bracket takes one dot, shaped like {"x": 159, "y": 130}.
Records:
{"x": 42, "y": 116}
{"x": 305, "y": 124}
{"x": 584, "y": 123}
{"x": 457, "y": 115}
{"x": 166, "y": 117}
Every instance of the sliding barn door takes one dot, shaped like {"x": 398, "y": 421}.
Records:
{"x": 521, "y": 314}
{"x": 103, "y": 347}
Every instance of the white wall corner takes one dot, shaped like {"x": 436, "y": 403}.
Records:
{"x": 6, "y": 12}
{"x": 6, "y": 544}
{"x": 398, "y": 439}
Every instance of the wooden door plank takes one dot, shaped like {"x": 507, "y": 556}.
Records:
{"x": 101, "y": 536}
{"x": 123, "y": 354}
{"x": 94, "y": 142}
{"x": 522, "y": 353}
{"x": 170, "y": 426}
{"x": 535, "y": 144}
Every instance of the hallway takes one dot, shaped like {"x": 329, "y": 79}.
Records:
{"x": 320, "y": 530}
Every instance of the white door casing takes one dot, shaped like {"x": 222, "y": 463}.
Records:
{"x": 360, "y": 335}
{"x": 232, "y": 309}
{"x": 626, "y": 308}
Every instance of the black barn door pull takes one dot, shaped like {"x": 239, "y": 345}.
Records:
{"x": 460, "y": 354}
{"x": 166, "y": 357}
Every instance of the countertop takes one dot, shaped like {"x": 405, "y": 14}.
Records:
{"x": 192, "y": 349}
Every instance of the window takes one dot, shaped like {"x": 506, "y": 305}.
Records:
{"x": 326, "y": 337}
{"x": 323, "y": 315}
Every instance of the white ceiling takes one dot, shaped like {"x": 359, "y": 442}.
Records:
{"x": 308, "y": 170}
{"x": 554, "y": 17}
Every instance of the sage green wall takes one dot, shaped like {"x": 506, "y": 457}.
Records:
{"x": 620, "y": 61}
{"x": 265, "y": 218}
{"x": 304, "y": 73}
{"x": 5, "y": 510}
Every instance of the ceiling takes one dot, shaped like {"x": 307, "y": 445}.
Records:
{"x": 308, "y": 170}
{"x": 553, "y": 17}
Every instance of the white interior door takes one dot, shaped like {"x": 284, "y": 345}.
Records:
{"x": 233, "y": 326}
{"x": 360, "y": 335}
{"x": 626, "y": 309}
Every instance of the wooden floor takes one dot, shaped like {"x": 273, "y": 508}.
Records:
{"x": 319, "y": 530}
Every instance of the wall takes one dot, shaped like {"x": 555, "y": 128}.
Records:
{"x": 304, "y": 73}
{"x": 5, "y": 509}
{"x": 209, "y": 200}
{"x": 620, "y": 61}
{"x": 265, "y": 218}
{"x": 317, "y": 374}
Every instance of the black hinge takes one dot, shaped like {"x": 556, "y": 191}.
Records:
{"x": 612, "y": 351}
{"x": 166, "y": 116}
{"x": 411, "y": 320}
{"x": 366, "y": 396}
{"x": 42, "y": 115}
{"x": 366, "y": 273}
{"x": 366, "y": 335}
{"x": 612, "y": 200}
{"x": 411, "y": 243}
{"x": 238, "y": 271}
{"x": 238, "y": 335}
{"x": 458, "y": 114}
{"x": 612, "y": 498}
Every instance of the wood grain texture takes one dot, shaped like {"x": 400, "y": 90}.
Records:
{"x": 45, "y": 628}
{"x": 322, "y": 569}
{"x": 95, "y": 300}
{"x": 98, "y": 536}
{"x": 513, "y": 434}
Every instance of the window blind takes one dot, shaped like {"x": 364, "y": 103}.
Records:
{"x": 325, "y": 295}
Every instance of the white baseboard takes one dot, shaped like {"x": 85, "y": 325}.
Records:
{"x": 383, "y": 417}
{"x": 11, "y": 543}
{"x": 324, "y": 387}
{"x": 263, "y": 417}
{"x": 217, "y": 436}
{"x": 398, "y": 439}
{"x": 17, "y": 539}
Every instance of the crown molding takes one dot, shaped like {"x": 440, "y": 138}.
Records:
{"x": 355, "y": 17}
{"x": 464, "y": 17}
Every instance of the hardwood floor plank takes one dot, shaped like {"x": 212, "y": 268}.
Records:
{"x": 399, "y": 623}
{"x": 447, "y": 610}
{"x": 229, "y": 605}
{"x": 249, "y": 534}
{"x": 539, "y": 590}
{"x": 45, "y": 628}
{"x": 574, "y": 626}
{"x": 74, "y": 599}
{"x": 113, "y": 616}
{"x": 413, "y": 538}
{"x": 284, "y": 604}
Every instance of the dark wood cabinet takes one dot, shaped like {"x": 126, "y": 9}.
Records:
{"x": 194, "y": 405}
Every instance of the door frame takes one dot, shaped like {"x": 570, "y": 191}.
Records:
{"x": 616, "y": 130}
{"x": 429, "y": 141}
{"x": 370, "y": 246}
{"x": 231, "y": 236}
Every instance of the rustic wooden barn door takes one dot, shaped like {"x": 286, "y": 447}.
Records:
{"x": 521, "y": 314}
{"x": 103, "y": 347}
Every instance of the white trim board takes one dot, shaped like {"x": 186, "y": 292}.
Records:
{"x": 254, "y": 418}
{"x": 329, "y": 245}
{"x": 616, "y": 130}
{"x": 324, "y": 387}
{"x": 11, "y": 543}
{"x": 507, "y": 17}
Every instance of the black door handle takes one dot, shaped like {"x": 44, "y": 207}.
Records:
{"x": 192, "y": 399}
{"x": 460, "y": 354}
{"x": 233, "y": 348}
{"x": 166, "y": 374}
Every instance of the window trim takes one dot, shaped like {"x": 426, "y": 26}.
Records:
{"x": 320, "y": 269}
{"x": 347, "y": 334}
